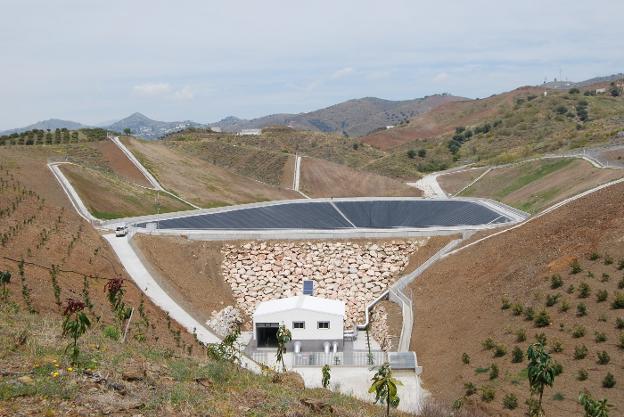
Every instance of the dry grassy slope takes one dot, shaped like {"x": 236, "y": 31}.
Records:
{"x": 523, "y": 128}
{"x": 517, "y": 265}
{"x": 200, "y": 181}
{"x": 57, "y": 235}
{"x": 143, "y": 379}
{"x": 320, "y": 178}
{"x": 109, "y": 197}
{"x": 533, "y": 186}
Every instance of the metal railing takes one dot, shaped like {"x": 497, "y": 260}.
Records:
{"x": 351, "y": 359}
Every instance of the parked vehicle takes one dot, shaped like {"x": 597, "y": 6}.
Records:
{"x": 121, "y": 231}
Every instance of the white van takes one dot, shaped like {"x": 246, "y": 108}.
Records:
{"x": 121, "y": 231}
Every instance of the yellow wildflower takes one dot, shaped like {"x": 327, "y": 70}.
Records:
{"x": 55, "y": 374}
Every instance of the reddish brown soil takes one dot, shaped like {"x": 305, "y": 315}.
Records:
{"x": 616, "y": 156}
{"x": 453, "y": 183}
{"x": 320, "y": 178}
{"x": 458, "y": 305}
{"x": 190, "y": 271}
{"x": 443, "y": 119}
{"x": 72, "y": 244}
{"x": 288, "y": 174}
{"x": 120, "y": 164}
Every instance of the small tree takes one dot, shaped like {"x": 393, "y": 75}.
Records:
{"x": 594, "y": 408}
{"x": 283, "y": 337}
{"x": 385, "y": 388}
{"x": 541, "y": 372}
{"x": 115, "y": 294}
{"x": 5, "y": 278}
{"x": 326, "y": 372}
{"x": 75, "y": 325}
{"x": 127, "y": 131}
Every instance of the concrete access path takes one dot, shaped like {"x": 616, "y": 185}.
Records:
{"x": 71, "y": 192}
{"x": 144, "y": 281}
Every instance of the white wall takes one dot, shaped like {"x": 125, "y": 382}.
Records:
{"x": 335, "y": 331}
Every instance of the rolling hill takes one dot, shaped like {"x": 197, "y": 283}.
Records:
{"x": 354, "y": 117}
{"x": 144, "y": 127}
{"x": 51, "y": 124}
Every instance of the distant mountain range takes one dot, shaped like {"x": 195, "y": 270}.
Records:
{"x": 354, "y": 117}
{"x": 51, "y": 124}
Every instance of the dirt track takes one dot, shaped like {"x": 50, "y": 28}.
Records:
{"x": 458, "y": 304}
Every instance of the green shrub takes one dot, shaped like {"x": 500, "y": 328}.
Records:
{"x": 578, "y": 331}
{"x": 564, "y": 306}
{"x": 620, "y": 265}
{"x": 621, "y": 341}
{"x": 570, "y": 289}
{"x": 558, "y": 396}
{"x": 510, "y": 402}
{"x": 505, "y": 303}
{"x": 493, "y": 371}
{"x": 619, "y": 323}
{"x": 556, "y": 281}
{"x": 517, "y": 355}
{"x": 487, "y": 393}
{"x": 516, "y": 309}
{"x": 602, "y": 317}
{"x": 529, "y": 313}
{"x": 584, "y": 290}
{"x": 542, "y": 319}
{"x": 600, "y": 337}
{"x": 541, "y": 339}
{"x": 602, "y": 296}
{"x": 470, "y": 389}
{"x": 551, "y": 299}
{"x": 557, "y": 368}
{"x": 581, "y": 375}
{"x": 581, "y": 310}
{"x": 520, "y": 335}
{"x": 590, "y": 274}
{"x": 580, "y": 352}
{"x": 594, "y": 256}
{"x": 575, "y": 267}
{"x": 465, "y": 358}
{"x": 608, "y": 381}
{"x": 488, "y": 344}
{"x": 112, "y": 332}
{"x": 556, "y": 347}
{"x": 620, "y": 284}
{"x": 618, "y": 302}
{"x": 603, "y": 358}
{"x": 500, "y": 351}
{"x": 608, "y": 260}
{"x": 605, "y": 277}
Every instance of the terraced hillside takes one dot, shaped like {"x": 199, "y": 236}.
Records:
{"x": 557, "y": 279}
{"x": 533, "y": 186}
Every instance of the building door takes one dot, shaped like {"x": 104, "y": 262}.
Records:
{"x": 266, "y": 334}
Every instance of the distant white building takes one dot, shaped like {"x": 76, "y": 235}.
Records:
{"x": 316, "y": 324}
{"x": 601, "y": 90}
{"x": 249, "y": 132}
{"x": 215, "y": 129}
{"x": 389, "y": 127}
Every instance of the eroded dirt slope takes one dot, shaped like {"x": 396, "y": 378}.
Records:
{"x": 458, "y": 306}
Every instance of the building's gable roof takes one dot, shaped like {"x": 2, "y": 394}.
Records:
{"x": 301, "y": 302}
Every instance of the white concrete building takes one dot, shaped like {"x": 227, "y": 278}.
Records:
{"x": 247, "y": 132}
{"x": 316, "y": 324}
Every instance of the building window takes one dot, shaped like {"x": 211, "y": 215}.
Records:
{"x": 298, "y": 324}
{"x": 323, "y": 325}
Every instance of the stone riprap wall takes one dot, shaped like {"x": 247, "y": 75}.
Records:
{"x": 355, "y": 273}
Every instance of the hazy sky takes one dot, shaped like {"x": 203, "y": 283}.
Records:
{"x": 93, "y": 61}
